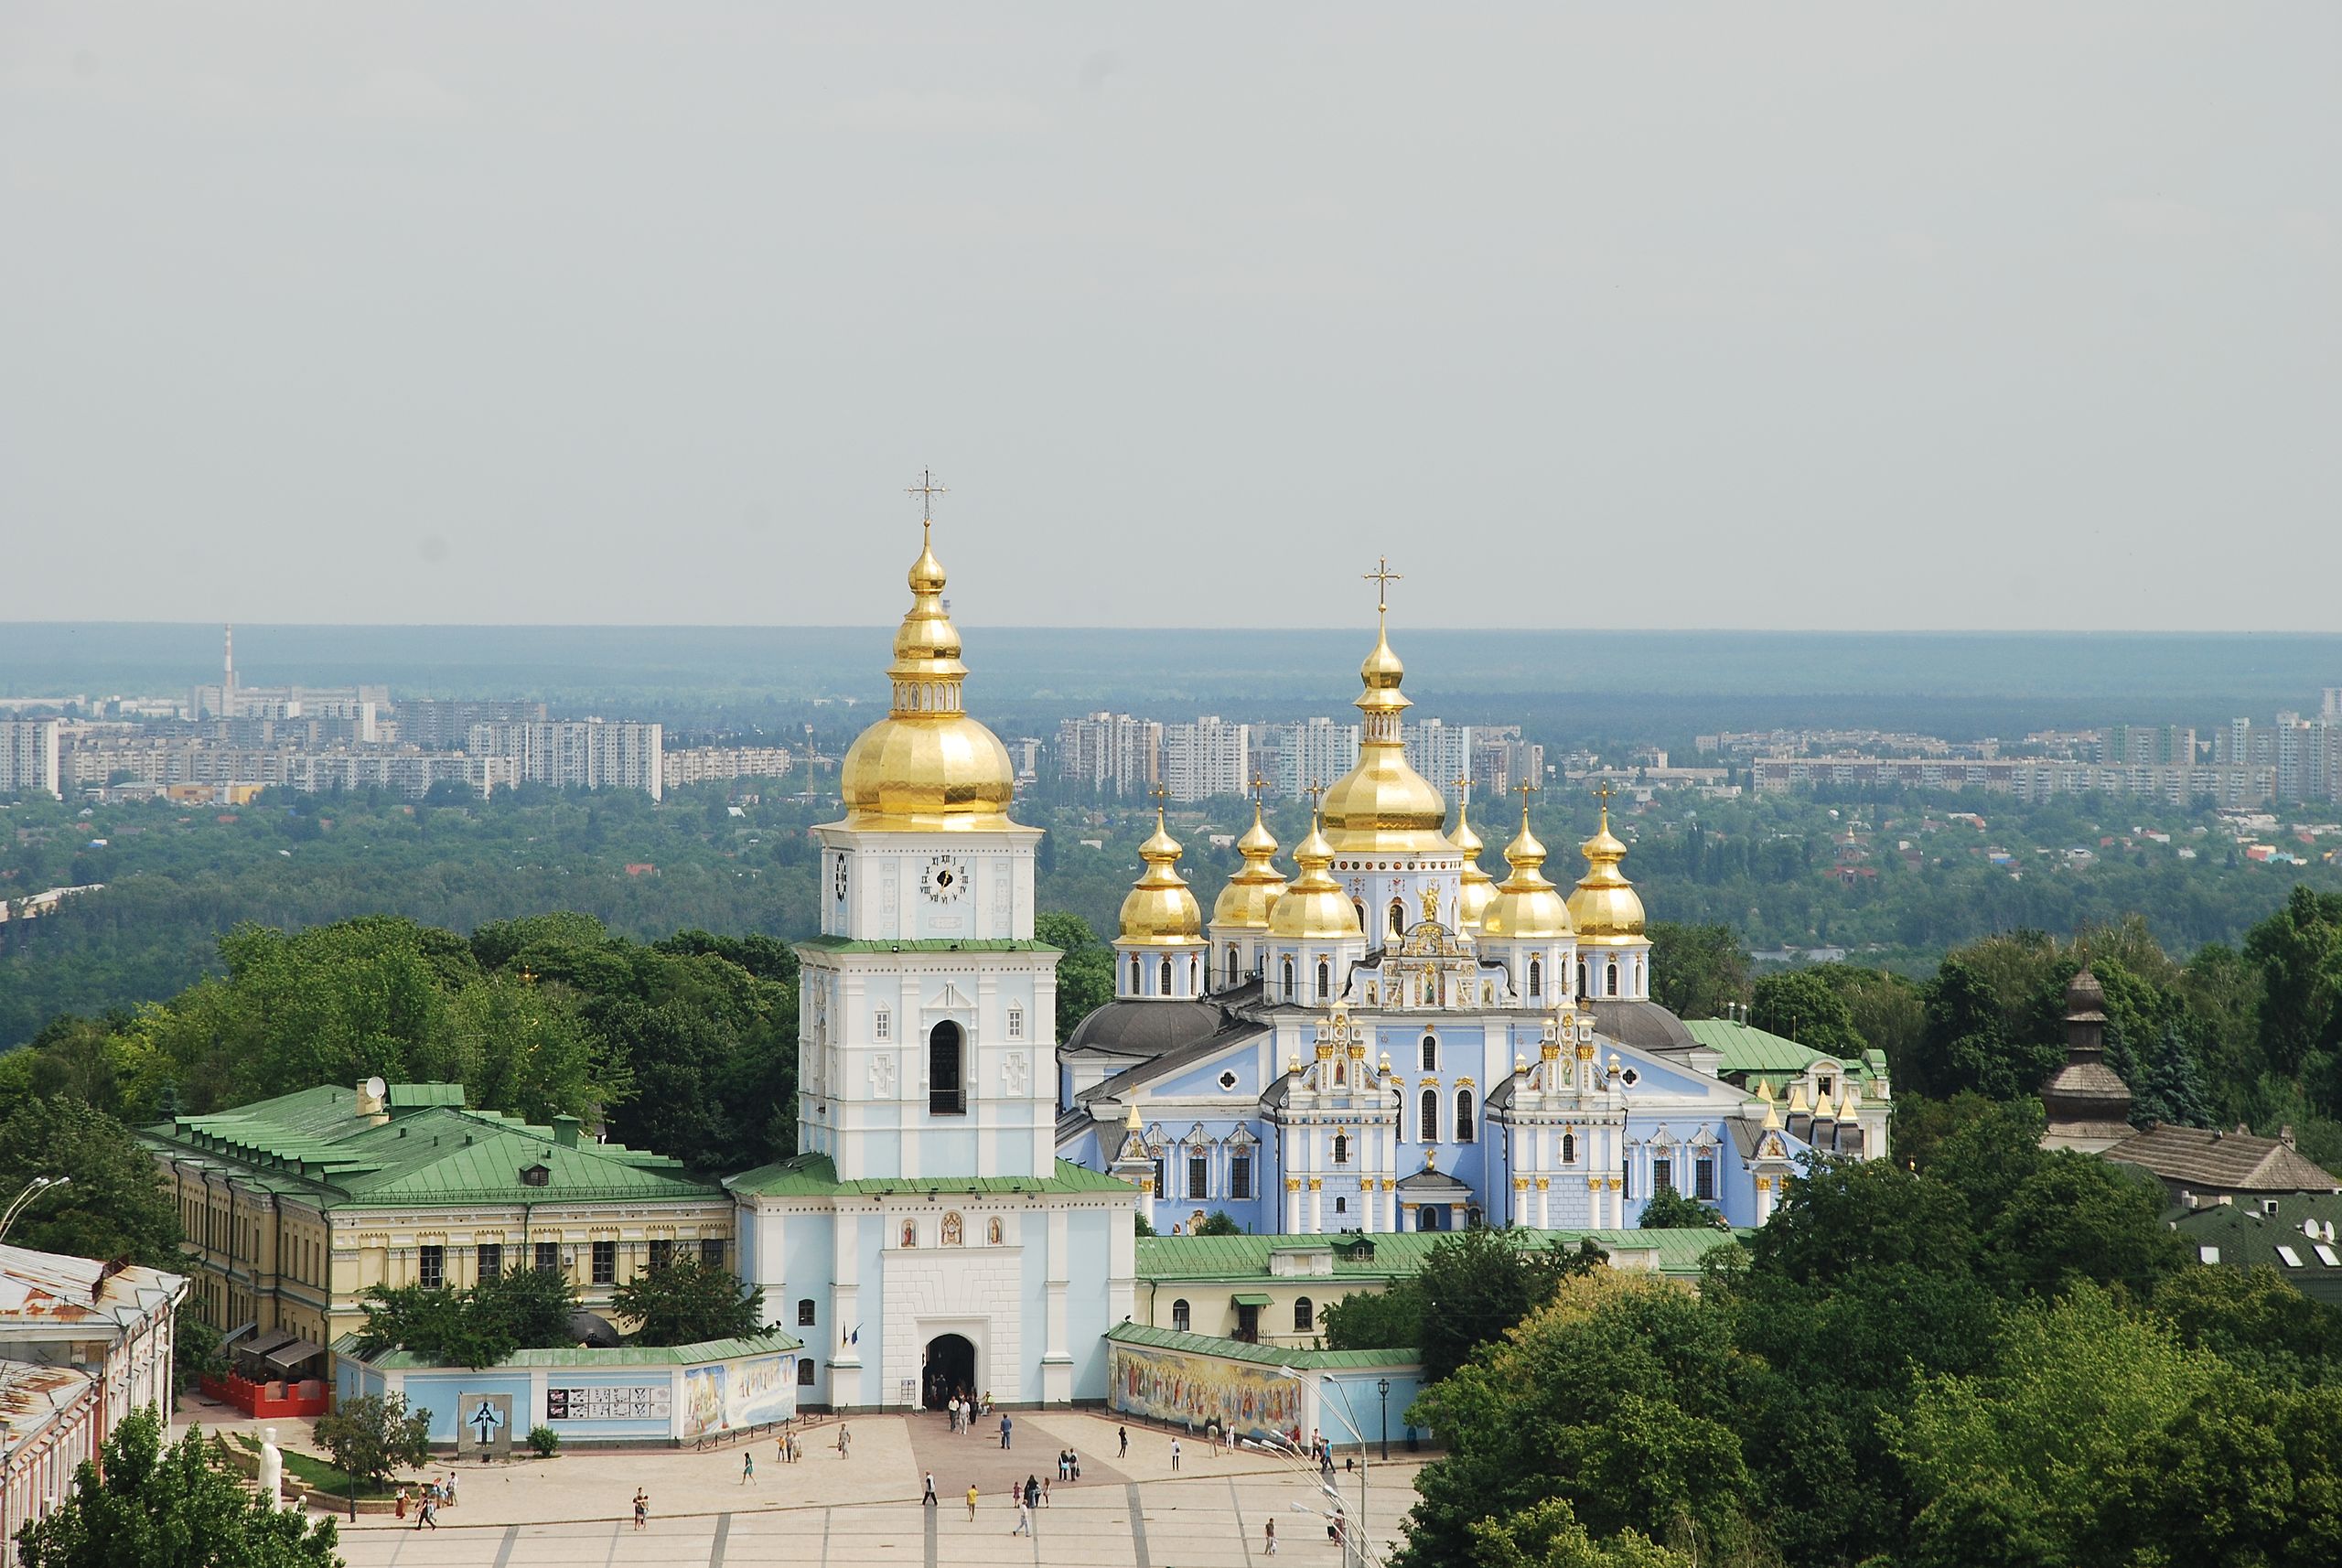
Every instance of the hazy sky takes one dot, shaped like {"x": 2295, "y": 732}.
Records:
{"x": 1651, "y": 315}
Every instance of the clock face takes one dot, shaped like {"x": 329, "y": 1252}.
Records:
{"x": 837, "y": 879}
{"x": 944, "y": 879}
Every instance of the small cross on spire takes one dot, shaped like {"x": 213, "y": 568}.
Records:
{"x": 1382, "y": 578}
{"x": 927, "y": 489}
{"x": 1259, "y": 784}
{"x": 1525, "y": 788}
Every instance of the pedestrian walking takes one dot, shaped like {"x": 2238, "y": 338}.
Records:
{"x": 927, "y": 1501}
{"x": 1004, "y": 1434}
{"x": 1175, "y": 1454}
{"x": 846, "y": 1440}
{"x": 1123, "y": 1433}
{"x": 1045, "y": 1492}
{"x": 748, "y": 1467}
{"x": 1273, "y": 1536}
{"x": 641, "y": 1507}
{"x": 401, "y": 1502}
{"x": 971, "y": 1502}
{"x": 430, "y": 1514}
{"x": 1024, "y": 1518}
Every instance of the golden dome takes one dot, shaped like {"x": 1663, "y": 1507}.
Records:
{"x": 927, "y": 764}
{"x": 1252, "y": 891}
{"x": 1479, "y": 888}
{"x": 1313, "y": 907}
{"x": 1527, "y": 907}
{"x": 1382, "y": 806}
{"x": 1159, "y": 911}
{"x": 1606, "y": 908}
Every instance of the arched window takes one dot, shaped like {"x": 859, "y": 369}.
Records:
{"x": 804, "y": 1311}
{"x": 1639, "y": 977}
{"x": 1358, "y": 906}
{"x": 1341, "y": 1148}
{"x": 1232, "y": 976}
{"x": 1536, "y": 978}
{"x": 1399, "y": 1119}
{"x": 1325, "y": 980}
{"x": 1463, "y": 1129}
{"x": 1288, "y": 980}
{"x": 1305, "y": 1316}
{"x": 1179, "y": 1315}
{"x": 1614, "y": 978}
{"x": 1398, "y": 918}
{"x": 947, "y": 1085}
{"x": 1581, "y": 977}
{"x": 1429, "y": 1115}
{"x": 1166, "y": 977}
{"x": 1135, "y": 975}
{"x": 1193, "y": 984}
{"x": 1569, "y": 1148}
{"x": 1431, "y": 1053}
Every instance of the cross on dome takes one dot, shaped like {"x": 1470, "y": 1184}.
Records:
{"x": 1382, "y": 578}
{"x": 927, "y": 489}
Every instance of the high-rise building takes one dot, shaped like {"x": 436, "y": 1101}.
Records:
{"x": 2331, "y": 707}
{"x": 1440, "y": 751}
{"x": 1208, "y": 757}
{"x": 28, "y": 757}
{"x": 438, "y": 725}
{"x": 1113, "y": 754}
{"x": 580, "y": 754}
{"x": 1292, "y": 757}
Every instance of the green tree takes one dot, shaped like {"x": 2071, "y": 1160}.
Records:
{"x": 1389, "y": 1319}
{"x": 1218, "y": 1223}
{"x": 532, "y": 1307}
{"x": 1086, "y": 973}
{"x": 1696, "y": 970}
{"x": 687, "y": 1302}
{"x": 116, "y": 1204}
{"x": 149, "y": 1506}
{"x": 373, "y": 1436}
{"x": 1969, "y": 1041}
{"x": 1668, "y": 1209}
{"x": 2298, "y": 950}
{"x": 1476, "y": 1284}
{"x": 1802, "y": 1006}
{"x": 1548, "y": 1535}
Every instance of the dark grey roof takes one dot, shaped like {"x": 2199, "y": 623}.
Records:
{"x": 1499, "y": 1095}
{"x": 1646, "y": 1025}
{"x": 2207, "y": 1161}
{"x": 1434, "y": 1185}
{"x": 1144, "y": 1029}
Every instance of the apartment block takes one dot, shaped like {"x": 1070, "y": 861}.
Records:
{"x": 28, "y": 757}
{"x": 708, "y": 764}
{"x": 1208, "y": 757}
{"x": 579, "y": 753}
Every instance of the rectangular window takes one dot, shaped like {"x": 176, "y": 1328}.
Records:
{"x": 804, "y": 1311}
{"x": 804, "y": 1372}
{"x": 1703, "y": 1177}
{"x": 662, "y": 1253}
{"x": 1159, "y": 1190}
{"x": 605, "y": 1263}
{"x": 491, "y": 1261}
{"x": 1239, "y": 1175}
{"x": 1826, "y": 1082}
{"x": 1016, "y": 1023}
{"x": 1663, "y": 1176}
{"x": 548, "y": 1256}
{"x": 710, "y": 1251}
{"x": 1199, "y": 1176}
{"x": 431, "y": 1267}
{"x": 884, "y": 1029}
{"x": 1626, "y": 1180}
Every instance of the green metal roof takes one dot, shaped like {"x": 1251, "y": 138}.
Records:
{"x": 1264, "y": 1356}
{"x": 582, "y": 1360}
{"x": 1253, "y": 1298}
{"x": 1397, "y": 1255}
{"x": 925, "y": 944}
{"x": 816, "y": 1175}
{"x": 2249, "y": 1238}
{"x": 1746, "y": 1049}
{"x": 313, "y": 1143}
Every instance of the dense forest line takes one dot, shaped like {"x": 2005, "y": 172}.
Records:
{"x": 1796, "y": 872}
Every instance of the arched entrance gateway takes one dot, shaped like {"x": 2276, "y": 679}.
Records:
{"x": 950, "y": 1370}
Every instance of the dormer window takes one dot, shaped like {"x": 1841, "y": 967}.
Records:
{"x": 538, "y": 1174}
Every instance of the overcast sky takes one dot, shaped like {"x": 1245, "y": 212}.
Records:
{"x": 1628, "y": 316}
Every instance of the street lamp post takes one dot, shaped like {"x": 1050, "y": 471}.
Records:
{"x": 32, "y": 1190}
{"x": 1349, "y": 1420}
{"x": 1382, "y": 1388}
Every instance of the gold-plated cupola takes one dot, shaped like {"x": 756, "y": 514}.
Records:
{"x": 1526, "y": 908}
{"x": 1160, "y": 910}
{"x": 1605, "y": 909}
{"x": 1384, "y": 806}
{"x": 927, "y": 764}
{"x": 1244, "y": 904}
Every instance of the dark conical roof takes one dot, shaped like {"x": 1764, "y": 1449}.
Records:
{"x": 2085, "y": 997}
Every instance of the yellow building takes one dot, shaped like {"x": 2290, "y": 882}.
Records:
{"x": 293, "y": 1207}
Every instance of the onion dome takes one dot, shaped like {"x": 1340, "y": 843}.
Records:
{"x": 1605, "y": 909}
{"x": 1252, "y": 891}
{"x": 927, "y": 764}
{"x": 1384, "y": 806}
{"x": 1526, "y": 908}
{"x": 1314, "y": 906}
{"x": 1479, "y": 888}
{"x": 1159, "y": 911}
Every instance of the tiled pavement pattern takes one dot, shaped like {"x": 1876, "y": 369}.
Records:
{"x": 864, "y": 1509}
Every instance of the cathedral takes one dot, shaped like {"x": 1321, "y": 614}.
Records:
{"x": 1389, "y": 1039}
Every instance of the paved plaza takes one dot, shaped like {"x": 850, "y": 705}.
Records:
{"x": 863, "y": 1507}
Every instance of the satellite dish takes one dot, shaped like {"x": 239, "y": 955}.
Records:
{"x": 376, "y": 1088}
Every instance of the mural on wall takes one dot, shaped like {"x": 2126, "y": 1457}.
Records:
{"x": 728, "y": 1395}
{"x": 638, "y": 1401}
{"x": 1166, "y": 1385}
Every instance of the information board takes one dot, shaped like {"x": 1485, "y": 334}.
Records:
{"x": 638, "y": 1402}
